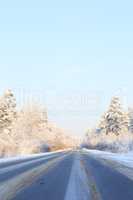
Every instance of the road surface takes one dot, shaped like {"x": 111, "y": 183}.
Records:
{"x": 70, "y": 175}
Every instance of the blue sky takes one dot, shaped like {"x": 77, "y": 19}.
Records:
{"x": 68, "y": 51}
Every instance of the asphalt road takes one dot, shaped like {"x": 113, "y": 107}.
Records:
{"x": 111, "y": 184}
{"x": 52, "y": 184}
{"x": 15, "y": 168}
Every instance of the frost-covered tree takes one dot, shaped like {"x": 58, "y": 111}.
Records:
{"x": 115, "y": 120}
{"x": 7, "y": 111}
{"x": 30, "y": 121}
{"x": 130, "y": 114}
{"x": 30, "y": 129}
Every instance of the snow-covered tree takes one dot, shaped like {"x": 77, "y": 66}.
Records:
{"x": 28, "y": 130}
{"x": 7, "y": 111}
{"x": 115, "y": 120}
{"x": 30, "y": 121}
{"x": 130, "y": 114}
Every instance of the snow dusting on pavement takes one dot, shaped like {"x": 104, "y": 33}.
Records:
{"x": 78, "y": 188}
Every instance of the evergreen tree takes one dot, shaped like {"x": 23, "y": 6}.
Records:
{"x": 115, "y": 120}
{"x": 7, "y": 111}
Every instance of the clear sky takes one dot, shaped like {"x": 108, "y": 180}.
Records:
{"x": 74, "y": 54}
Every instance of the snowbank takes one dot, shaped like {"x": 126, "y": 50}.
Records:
{"x": 123, "y": 158}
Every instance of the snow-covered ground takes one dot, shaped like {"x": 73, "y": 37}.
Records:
{"x": 123, "y": 163}
{"x": 123, "y": 158}
{"x": 30, "y": 156}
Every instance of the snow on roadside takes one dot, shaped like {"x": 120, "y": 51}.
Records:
{"x": 28, "y": 162}
{"x": 123, "y": 158}
{"x": 78, "y": 188}
{"x": 30, "y": 156}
